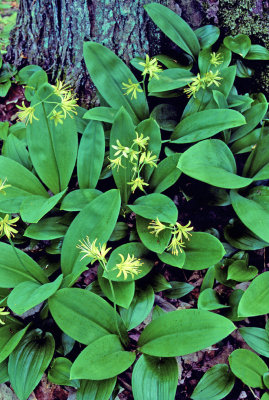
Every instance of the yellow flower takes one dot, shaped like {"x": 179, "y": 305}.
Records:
{"x": 26, "y": 114}
{"x": 141, "y": 141}
{"x": 92, "y": 251}
{"x": 3, "y": 186}
{"x": 69, "y": 104}
{"x": 175, "y": 245}
{"x": 129, "y": 266}
{"x": 216, "y": 59}
{"x": 183, "y": 230}
{"x": 156, "y": 227}
{"x": 198, "y": 81}
{"x": 6, "y": 226}
{"x": 3, "y": 313}
{"x": 151, "y": 67}
{"x": 148, "y": 159}
{"x": 131, "y": 88}
{"x": 137, "y": 183}
{"x": 191, "y": 90}
{"x": 212, "y": 78}
{"x": 57, "y": 117}
{"x": 123, "y": 150}
{"x": 115, "y": 163}
{"x": 61, "y": 88}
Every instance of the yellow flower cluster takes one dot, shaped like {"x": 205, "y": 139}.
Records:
{"x": 129, "y": 266}
{"x": 7, "y": 226}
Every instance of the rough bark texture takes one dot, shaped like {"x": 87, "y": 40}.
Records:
{"x": 51, "y": 33}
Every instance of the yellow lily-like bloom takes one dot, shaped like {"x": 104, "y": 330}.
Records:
{"x": 131, "y": 88}
{"x": 151, "y": 67}
{"x": 137, "y": 183}
{"x": 3, "y": 313}
{"x": 156, "y": 227}
{"x": 115, "y": 163}
{"x": 69, "y": 104}
{"x": 148, "y": 159}
{"x": 191, "y": 90}
{"x": 175, "y": 245}
{"x": 141, "y": 141}
{"x": 129, "y": 266}
{"x": 183, "y": 231}
{"x": 6, "y": 226}
{"x": 61, "y": 88}
{"x": 26, "y": 114}
{"x": 3, "y": 186}
{"x": 122, "y": 150}
{"x": 92, "y": 251}
{"x": 216, "y": 59}
{"x": 212, "y": 78}
{"x": 57, "y": 117}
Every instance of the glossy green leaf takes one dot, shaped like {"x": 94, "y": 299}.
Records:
{"x": 215, "y": 384}
{"x": 248, "y": 367}
{"x": 233, "y": 302}
{"x": 209, "y": 300}
{"x": 183, "y": 332}
{"x": 205, "y": 124}
{"x": 15, "y": 149}
{"x": 212, "y": 161}
{"x": 239, "y": 44}
{"x": 53, "y": 162}
{"x": 209, "y": 279}
{"x": 255, "y": 300}
{"x": 155, "y": 378}
{"x": 96, "y": 390}
{"x": 155, "y": 206}
{"x": 78, "y": 199}
{"x": 207, "y": 35}
{"x": 4, "y": 372}
{"x": 10, "y": 336}
{"x": 29, "y": 361}
{"x": 257, "y": 339}
{"x": 102, "y": 359}
{"x": 59, "y": 372}
{"x": 91, "y": 316}
{"x": 97, "y": 221}
{"x": 166, "y": 116}
{"x": 178, "y": 290}
{"x": 166, "y": 174}
{"x": 173, "y": 259}
{"x": 107, "y": 72}
{"x": 91, "y": 155}
{"x": 239, "y": 271}
{"x": 47, "y": 229}
{"x": 257, "y": 52}
{"x": 103, "y": 114}
{"x": 265, "y": 396}
{"x": 17, "y": 268}
{"x": 170, "y": 79}
{"x": 27, "y": 295}
{"x": 154, "y": 243}
{"x": 257, "y": 164}
{"x": 174, "y": 27}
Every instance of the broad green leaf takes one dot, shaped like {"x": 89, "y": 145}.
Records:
{"x": 209, "y": 300}
{"x": 174, "y": 27}
{"x": 53, "y": 162}
{"x": 35, "y": 207}
{"x": 253, "y": 212}
{"x": 158, "y": 282}
{"x": 120, "y": 232}
{"x": 136, "y": 249}
{"x": 239, "y": 271}
{"x": 246, "y": 143}
{"x": 91, "y": 155}
{"x": 20, "y": 189}
{"x": 59, "y": 372}
{"x": 212, "y": 161}
{"x": 215, "y": 384}
{"x": 4, "y": 372}
{"x": 91, "y": 316}
{"x": 17, "y": 267}
{"x": 139, "y": 308}
{"x": 239, "y": 44}
{"x": 248, "y": 367}
{"x": 15, "y": 149}
{"x": 107, "y": 72}
{"x": 265, "y": 396}
{"x": 178, "y": 290}
{"x": 155, "y": 205}
{"x": 97, "y": 221}
{"x": 10, "y": 336}
{"x": 170, "y": 79}
{"x": 242, "y": 71}
{"x": 78, "y": 199}
{"x": 202, "y": 251}
{"x": 96, "y": 390}
{"x": 123, "y": 131}
{"x": 207, "y": 35}
{"x": 29, "y": 294}
{"x": 233, "y": 302}
{"x": 166, "y": 116}
{"x": 257, "y": 164}
{"x": 183, "y": 332}
{"x": 166, "y": 174}
{"x": 257, "y": 339}
{"x": 47, "y": 229}
{"x": 257, "y": 52}
{"x": 173, "y": 259}
{"x": 155, "y": 378}
{"x": 103, "y": 114}
{"x": 255, "y": 300}
{"x": 205, "y": 124}
{"x": 104, "y": 358}
{"x": 29, "y": 361}
{"x": 209, "y": 279}
{"x": 154, "y": 243}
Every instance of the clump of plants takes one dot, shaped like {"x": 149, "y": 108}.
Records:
{"x": 95, "y": 189}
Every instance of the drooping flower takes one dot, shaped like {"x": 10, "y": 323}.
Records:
{"x": 3, "y": 313}
{"x": 175, "y": 245}
{"x": 216, "y": 59}
{"x": 57, "y": 117}
{"x": 151, "y": 67}
{"x": 115, "y": 163}
{"x": 131, "y": 87}
{"x": 26, "y": 114}
{"x": 137, "y": 183}
{"x": 91, "y": 250}
{"x": 3, "y": 186}
{"x": 191, "y": 90}
{"x": 129, "y": 266}
{"x": 212, "y": 78}
{"x": 68, "y": 104}
{"x": 148, "y": 159}
{"x": 156, "y": 226}
{"x": 141, "y": 141}
{"x": 183, "y": 231}
{"x": 6, "y": 226}
{"x": 61, "y": 88}
{"x": 121, "y": 150}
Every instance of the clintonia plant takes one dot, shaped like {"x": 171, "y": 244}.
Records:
{"x": 118, "y": 219}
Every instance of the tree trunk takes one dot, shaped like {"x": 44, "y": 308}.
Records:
{"x": 50, "y": 33}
